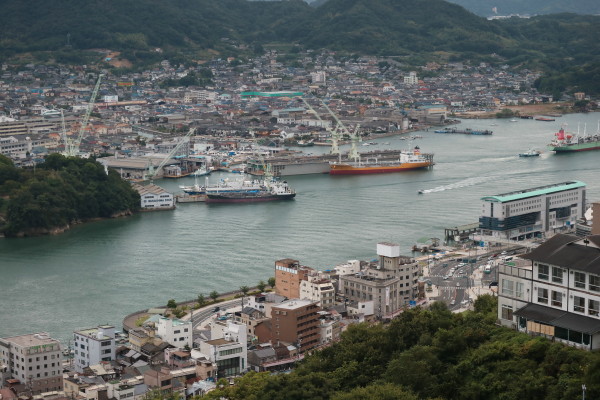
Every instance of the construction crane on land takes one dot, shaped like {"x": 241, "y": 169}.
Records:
{"x": 72, "y": 146}
{"x": 152, "y": 172}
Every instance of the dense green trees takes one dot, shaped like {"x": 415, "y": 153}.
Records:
{"x": 432, "y": 354}
{"x": 59, "y": 192}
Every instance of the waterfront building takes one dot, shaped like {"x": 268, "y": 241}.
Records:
{"x": 176, "y": 332}
{"x": 288, "y": 275}
{"x": 153, "y": 197}
{"x": 295, "y": 322}
{"x": 93, "y": 345}
{"x": 535, "y": 212}
{"x": 34, "y": 360}
{"x": 389, "y": 284}
{"x": 556, "y": 294}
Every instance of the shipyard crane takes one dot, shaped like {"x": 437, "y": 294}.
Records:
{"x": 335, "y": 135}
{"x": 355, "y": 137}
{"x": 153, "y": 172}
{"x": 72, "y": 147}
{"x": 63, "y": 133}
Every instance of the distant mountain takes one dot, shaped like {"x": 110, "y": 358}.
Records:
{"x": 418, "y": 29}
{"x": 487, "y": 8}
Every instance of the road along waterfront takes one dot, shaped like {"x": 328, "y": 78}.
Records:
{"x": 99, "y": 272}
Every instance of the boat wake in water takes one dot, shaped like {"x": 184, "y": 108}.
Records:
{"x": 457, "y": 185}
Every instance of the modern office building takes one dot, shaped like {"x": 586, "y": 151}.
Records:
{"x": 533, "y": 212}
{"x": 34, "y": 360}
{"x": 557, "y": 293}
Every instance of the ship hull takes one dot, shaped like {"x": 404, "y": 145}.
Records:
{"x": 575, "y": 147}
{"x": 247, "y": 198}
{"x": 348, "y": 169}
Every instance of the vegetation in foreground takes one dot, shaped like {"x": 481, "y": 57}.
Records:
{"x": 431, "y": 354}
{"x": 59, "y": 192}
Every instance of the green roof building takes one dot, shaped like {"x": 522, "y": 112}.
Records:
{"x": 534, "y": 212}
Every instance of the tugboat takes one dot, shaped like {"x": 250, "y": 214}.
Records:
{"x": 530, "y": 153}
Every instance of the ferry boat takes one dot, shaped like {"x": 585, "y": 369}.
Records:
{"x": 566, "y": 142}
{"x": 272, "y": 190}
{"x": 407, "y": 161}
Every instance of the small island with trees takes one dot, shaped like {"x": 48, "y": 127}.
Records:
{"x": 58, "y": 193}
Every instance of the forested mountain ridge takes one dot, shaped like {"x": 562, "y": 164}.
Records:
{"x": 486, "y": 8}
{"x": 376, "y": 27}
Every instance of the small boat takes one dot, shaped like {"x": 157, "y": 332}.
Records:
{"x": 514, "y": 120}
{"x": 421, "y": 191}
{"x": 530, "y": 153}
{"x": 544, "y": 119}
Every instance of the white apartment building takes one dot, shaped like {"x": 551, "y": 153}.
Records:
{"x": 533, "y": 212}
{"x": 557, "y": 294}
{"x": 318, "y": 290}
{"x": 175, "y": 331}
{"x": 411, "y": 79}
{"x": 91, "y": 346}
{"x": 33, "y": 359}
{"x": 228, "y": 350}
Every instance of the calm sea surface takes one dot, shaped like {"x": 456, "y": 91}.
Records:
{"x": 99, "y": 272}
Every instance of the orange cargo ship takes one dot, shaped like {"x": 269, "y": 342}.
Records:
{"x": 407, "y": 161}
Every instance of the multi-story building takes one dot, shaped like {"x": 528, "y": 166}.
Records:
{"x": 295, "y": 322}
{"x": 175, "y": 331}
{"x": 34, "y": 359}
{"x": 154, "y": 197}
{"x": 318, "y": 290}
{"x": 93, "y": 345}
{"x": 288, "y": 275}
{"x": 533, "y": 212}
{"x": 390, "y": 284}
{"x": 228, "y": 350}
{"x": 557, "y": 293}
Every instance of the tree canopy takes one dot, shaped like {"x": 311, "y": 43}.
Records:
{"x": 59, "y": 192}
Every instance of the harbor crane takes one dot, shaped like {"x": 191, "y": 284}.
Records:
{"x": 355, "y": 137}
{"x": 72, "y": 146}
{"x": 152, "y": 172}
{"x": 335, "y": 134}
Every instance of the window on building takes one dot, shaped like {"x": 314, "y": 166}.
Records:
{"x": 594, "y": 283}
{"x": 556, "y": 299}
{"x": 542, "y": 295}
{"x": 507, "y": 312}
{"x": 557, "y": 275}
{"x": 579, "y": 280}
{"x": 579, "y": 304}
{"x": 543, "y": 272}
{"x": 519, "y": 289}
{"x": 593, "y": 307}
{"x": 507, "y": 287}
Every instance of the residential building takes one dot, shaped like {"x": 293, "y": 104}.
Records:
{"x": 533, "y": 212}
{"x": 295, "y": 322}
{"x": 93, "y": 345}
{"x": 228, "y": 350}
{"x": 319, "y": 290}
{"x": 411, "y": 78}
{"x": 176, "y": 332}
{"x": 33, "y": 359}
{"x": 557, "y": 293}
